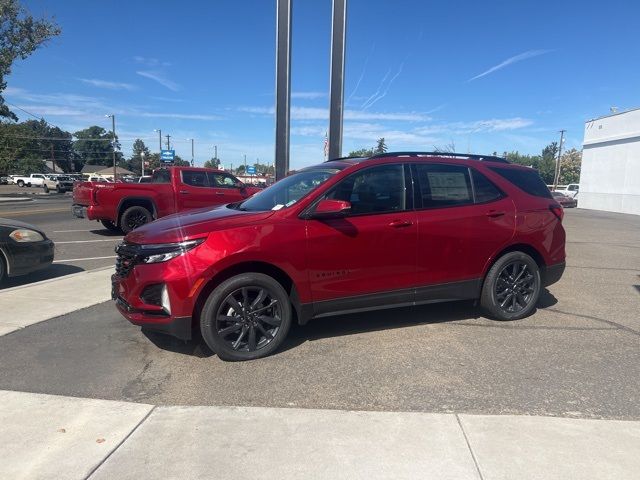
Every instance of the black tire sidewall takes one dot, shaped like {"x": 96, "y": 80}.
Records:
{"x": 207, "y": 315}
{"x": 128, "y": 212}
{"x": 488, "y": 300}
{"x": 3, "y": 269}
{"x": 109, "y": 225}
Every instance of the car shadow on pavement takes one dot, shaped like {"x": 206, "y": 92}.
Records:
{"x": 54, "y": 271}
{"x": 350, "y": 324}
{"x": 106, "y": 233}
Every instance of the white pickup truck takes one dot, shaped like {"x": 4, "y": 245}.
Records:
{"x": 33, "y": 180}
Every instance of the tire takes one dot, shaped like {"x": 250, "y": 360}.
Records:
{"x": 3, "y": 270}
{"x": 134, "y": 217}
{"x": 512, "y": 287}
{"x": 59, "y": 189}
{"x": 21, "y": 183}
{"x": 268, "y": 330}
{"x": 45, "y": 188}
{"x": 109, "y": 225}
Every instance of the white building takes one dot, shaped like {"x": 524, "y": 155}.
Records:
{"x": 610, "y": 174}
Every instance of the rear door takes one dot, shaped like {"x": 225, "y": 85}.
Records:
{"x": 463, "y": 219}
{"x": 194, "y": 190}
{"x": 225, "y": 187}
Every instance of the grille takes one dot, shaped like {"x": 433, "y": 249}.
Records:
{"x": 127, "y": 259}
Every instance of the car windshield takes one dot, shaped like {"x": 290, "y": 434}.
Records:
{"x": 289, "y": 190}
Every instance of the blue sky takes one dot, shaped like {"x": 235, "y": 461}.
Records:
{"x": 485, "y": 75}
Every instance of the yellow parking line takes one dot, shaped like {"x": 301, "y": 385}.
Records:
{"x": 22, "y": 213}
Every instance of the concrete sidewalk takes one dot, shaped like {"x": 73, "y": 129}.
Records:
{"x": 44, "y": 436}
{"x": 28, "y": 304}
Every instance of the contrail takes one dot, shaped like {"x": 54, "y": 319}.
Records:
{"x": 509, "y": 61}
{"x": 378, "y": 90}
{"x": 382, "y": 95}
{"x": 364, "y": 69}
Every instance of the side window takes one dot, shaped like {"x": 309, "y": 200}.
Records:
{"x": 161, "y": 176}
{"x": 195, "y": 178}
{"x": 484, "y": 190}
{"x": 373, "y": 190}
{"x": 222, "y": 180}
{"x": 572, "y": 188}
{"x": 444, "y": 185}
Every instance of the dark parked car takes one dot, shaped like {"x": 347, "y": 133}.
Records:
{"x": 347, "y": 235}
{"x": 23, "y": 249}
{"x": 564, "y": 200}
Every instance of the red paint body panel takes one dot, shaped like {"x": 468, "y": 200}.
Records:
{"x": 330, "y": 259}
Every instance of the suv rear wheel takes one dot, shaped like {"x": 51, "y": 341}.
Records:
{"x": 512, "y": 287}
{"x": 246, "y": 317}
{"x": 109, "y": 225}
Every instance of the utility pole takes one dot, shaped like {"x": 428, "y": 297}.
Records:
{"x": 215, "y": 155}
{"x": 113, "y": 144}
{"x": 192, "y": 152}
{"x": 283, "y": 86}
{"x": 245, "y": 164}
{"x": 336, "y": 78}
{"x": 142, "y": 162}
{"x": 159, "y": 139}
{"x": 556, "y": 177}
{"x": 53, "y": 160}
{"x": 168, "y": 144}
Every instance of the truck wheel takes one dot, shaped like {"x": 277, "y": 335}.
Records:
{"x": 45, "y": 188}
{"x": 20, "y": 183}
{"x": 246, "y": 317}
{"x": 3, "y": 270}
{"x": 59, "y": 189}
{"x": 134, "y": 217}
{"x": 109, "y": 225}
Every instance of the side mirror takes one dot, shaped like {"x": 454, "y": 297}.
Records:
{"x": 331, "y": 209}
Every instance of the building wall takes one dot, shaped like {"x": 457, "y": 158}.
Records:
{"x": 610, "y": 174}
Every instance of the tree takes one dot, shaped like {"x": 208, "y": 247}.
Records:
{"x": 212, "y": 163}
{"x": 381, "y": 147}
{"x": 570, "y": 164}
{"x": 93, "y": 146}
{"x": 20, "y": 36}
{"x": 363, "y": 152}
{"x": 24, "y": 147}
{"x": 139, "y": 150}
{"x": 547, "y": 165}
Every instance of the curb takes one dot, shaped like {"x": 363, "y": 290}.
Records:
{"x": 55, "y": 279}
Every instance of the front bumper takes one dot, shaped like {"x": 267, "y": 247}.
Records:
{"x": 28, "y": 257}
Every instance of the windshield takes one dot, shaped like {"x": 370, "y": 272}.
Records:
{"x": 289, "y": 190}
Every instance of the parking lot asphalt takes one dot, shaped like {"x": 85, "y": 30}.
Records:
{"x": 577, "y": 356}
{"x": 80, "y": 243}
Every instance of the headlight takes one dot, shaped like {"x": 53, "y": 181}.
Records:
{"x": 25, "y": 235}
{"x": 166, "y": 251}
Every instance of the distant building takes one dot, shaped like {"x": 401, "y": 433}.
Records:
{"x": 610, "y": 173}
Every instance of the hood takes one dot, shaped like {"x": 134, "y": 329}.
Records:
{"x": 6, "y": 222}
{"x": 193, "y": 224}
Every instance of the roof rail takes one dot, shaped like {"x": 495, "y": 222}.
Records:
{"x": 472, "y": 156}
{"x": 343, "y": 158}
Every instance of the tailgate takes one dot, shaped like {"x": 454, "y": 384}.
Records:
{"x": 83, "y": 193}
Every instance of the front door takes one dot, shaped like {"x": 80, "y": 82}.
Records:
{"x": 226, "y": 189}
{"x": 368, "y": 257}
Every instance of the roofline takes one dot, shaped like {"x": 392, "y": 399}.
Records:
{"x": 612, "y": 115}
{"x": 470, "y": 156}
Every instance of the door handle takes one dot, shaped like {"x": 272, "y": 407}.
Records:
{"x": 495, "y": 213}
{"x": 400, "y": 223}
{"x": 219, "y": 193}
{"x": 184, "y": 192}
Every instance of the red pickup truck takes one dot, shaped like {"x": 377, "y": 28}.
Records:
{"x": 126, "y": 206}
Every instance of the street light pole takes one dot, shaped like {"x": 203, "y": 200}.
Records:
{"x": 159, "y": 139}
{"x": 142, "y": 162}
{"x": 192, "y": 152}
{"x": 113, "y": 144}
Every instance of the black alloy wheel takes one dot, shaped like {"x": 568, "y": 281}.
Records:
{"x": 134, "y": 217}
{"x": 512, "y": 287}
{"x": 247, "y": 317}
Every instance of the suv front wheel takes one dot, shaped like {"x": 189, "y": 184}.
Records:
{"x": 246, "y": 317}
{"x": 512, "y": 287}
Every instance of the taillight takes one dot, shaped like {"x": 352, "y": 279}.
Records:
{"x": 558, "y": 211}
{"x": 94, "y": 194}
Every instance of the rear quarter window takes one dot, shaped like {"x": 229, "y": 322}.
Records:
{"x": 526, "y": 180}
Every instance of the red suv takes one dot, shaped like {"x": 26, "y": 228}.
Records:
{"x": 348, "y": 235}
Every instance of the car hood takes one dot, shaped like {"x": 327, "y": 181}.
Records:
{"x": 193, "y": 224}
{"x": 10, "y": 223}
